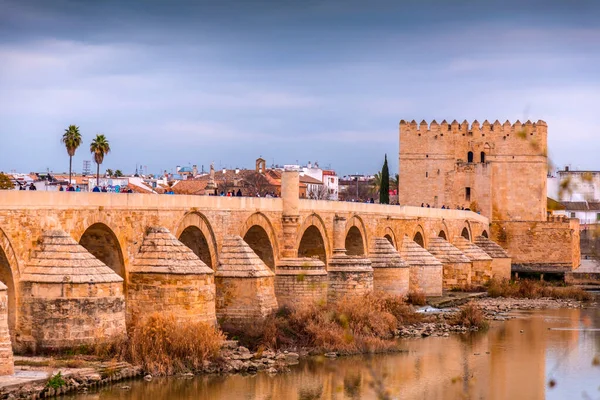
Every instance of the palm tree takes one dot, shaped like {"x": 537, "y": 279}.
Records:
{"x": 109, "y": 172}
{"x": 99, "y": 148}
{"x": 72, "y": 140}
{"x": 376, "y": 183}
{"x": 396, "y": 183}
{"x": 118, "y": 173}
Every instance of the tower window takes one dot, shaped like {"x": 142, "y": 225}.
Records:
{"x": 482, "y": 156}
{"x": 470, "y": 157}
{"x": 468, "y": 194}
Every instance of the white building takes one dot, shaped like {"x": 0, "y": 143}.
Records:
{"x": 328, "y": 177}
{"x": 568, "y": 185}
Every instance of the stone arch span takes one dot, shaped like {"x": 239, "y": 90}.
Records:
{"x": 466, "y": 231}
{"x": 444, "y": 232}
{"x": 418, "y": 236}
{"x": 484, "y": 234}
{"x": 259, "y": 234}
{"x": 195, "y": 232}
{"x": 9, "y": 275}
{"x": 356, "y": 237}
{"x": 100, "y": 240}
{"x": 388, "y": 233}
{"x": 312, "y": 239}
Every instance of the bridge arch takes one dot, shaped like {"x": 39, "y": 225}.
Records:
{"x": 444, "y": 232}
{"x": 356, "y": 237}
{"x": 419, "y": 236}
{"x": 195, "y": 232}
{"x": 102, "y": 242}
{"x": 259, "y": 234}
{"x": 466, "y": 231}
{"x": 484, "y": 233}
{"x": 389, "y": 234}
{"x": 312, "y": 239}
{"x": 9, "y": 275}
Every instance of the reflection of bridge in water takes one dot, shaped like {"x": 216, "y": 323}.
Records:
{"x": 166, "y": 253}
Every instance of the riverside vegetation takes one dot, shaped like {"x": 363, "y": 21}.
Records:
{"x": 160, "y": 345}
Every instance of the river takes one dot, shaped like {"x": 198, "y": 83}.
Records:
{"x": 516, "y": 359}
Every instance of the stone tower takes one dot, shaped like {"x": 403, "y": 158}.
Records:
{"x": 498, "y": 168}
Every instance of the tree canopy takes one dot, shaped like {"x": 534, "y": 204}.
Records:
{"x": 384, "y": 189}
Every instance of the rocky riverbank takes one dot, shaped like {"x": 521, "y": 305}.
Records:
{"x": 38, "y": 377}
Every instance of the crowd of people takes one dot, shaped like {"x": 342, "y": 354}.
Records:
{"x": 444, "y": 207}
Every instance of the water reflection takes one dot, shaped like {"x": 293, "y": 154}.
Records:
{"x": 513, "y": 360}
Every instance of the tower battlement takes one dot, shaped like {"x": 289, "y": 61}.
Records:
{"x": 506, "y": 129}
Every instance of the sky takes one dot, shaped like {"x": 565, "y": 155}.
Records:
{"x": 194, "y": 82}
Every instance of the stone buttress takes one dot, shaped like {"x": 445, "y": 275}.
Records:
{"x": 426, "y": 271}
{"x": 244, "y": 283}
{"x": 300, "y": 281}
{"x": 348, "y": 276}
{"x": 391, "y": 274}
{"x": 501, "y": 261}
{"x": 7, "y": 366}
{"x": 167, "y": 277}
{"x": 68, "y": 297}
{"x": 481, "y": 273}
{"x": 457, "y": 267}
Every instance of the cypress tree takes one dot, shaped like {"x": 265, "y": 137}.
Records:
{"x": 384, "y": 191}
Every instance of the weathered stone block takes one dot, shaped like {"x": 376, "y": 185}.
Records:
{"x": 501, "y": 262}
{"x": 481, "y": 273}
{"x": 6, "y": 353}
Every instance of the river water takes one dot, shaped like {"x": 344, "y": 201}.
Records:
{"x": 515, "y": 359}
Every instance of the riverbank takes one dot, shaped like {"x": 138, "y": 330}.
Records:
{"x": 367, "y": 325}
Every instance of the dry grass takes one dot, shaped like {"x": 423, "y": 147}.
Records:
{"x": 470, "y": 316}
{"x": 352, "y": 325}
{"x": 530, "y": 289}
{"x": 416, "y": 299}
{"x": 163, "y": 346}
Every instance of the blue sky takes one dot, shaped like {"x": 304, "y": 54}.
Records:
{"x": 181, "y": 82}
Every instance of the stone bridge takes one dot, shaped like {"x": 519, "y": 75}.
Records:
{"x": 193, "y": 255}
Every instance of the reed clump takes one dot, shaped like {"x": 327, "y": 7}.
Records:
{"x": 349, "y": 326}
{"x": 470, "y": 316}
{"x": 162, "y": 345}
{"x": 532, "y": 289}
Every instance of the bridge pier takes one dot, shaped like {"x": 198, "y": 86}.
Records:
{"x": 482, "y": 263}
{"x": 457, "y": 267}
{"x": 390, "y": 273}
{"x": 7, "y": 365}
{"x": 348, "y": 276}
{"x": 501, "y": 261}
{"x": 426, "y": 271}
{"x": 244, "y": 284}
{"x": 69, "y": 298}
{"x": 167, "y": 277}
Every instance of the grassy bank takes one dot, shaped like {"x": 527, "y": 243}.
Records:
{"x": 533, "y": 289}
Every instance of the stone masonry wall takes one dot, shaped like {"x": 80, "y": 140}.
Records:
{"x": 187, "y": 297}
{"x": 539, "y": 246}
{"x": 6, "y": 352}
